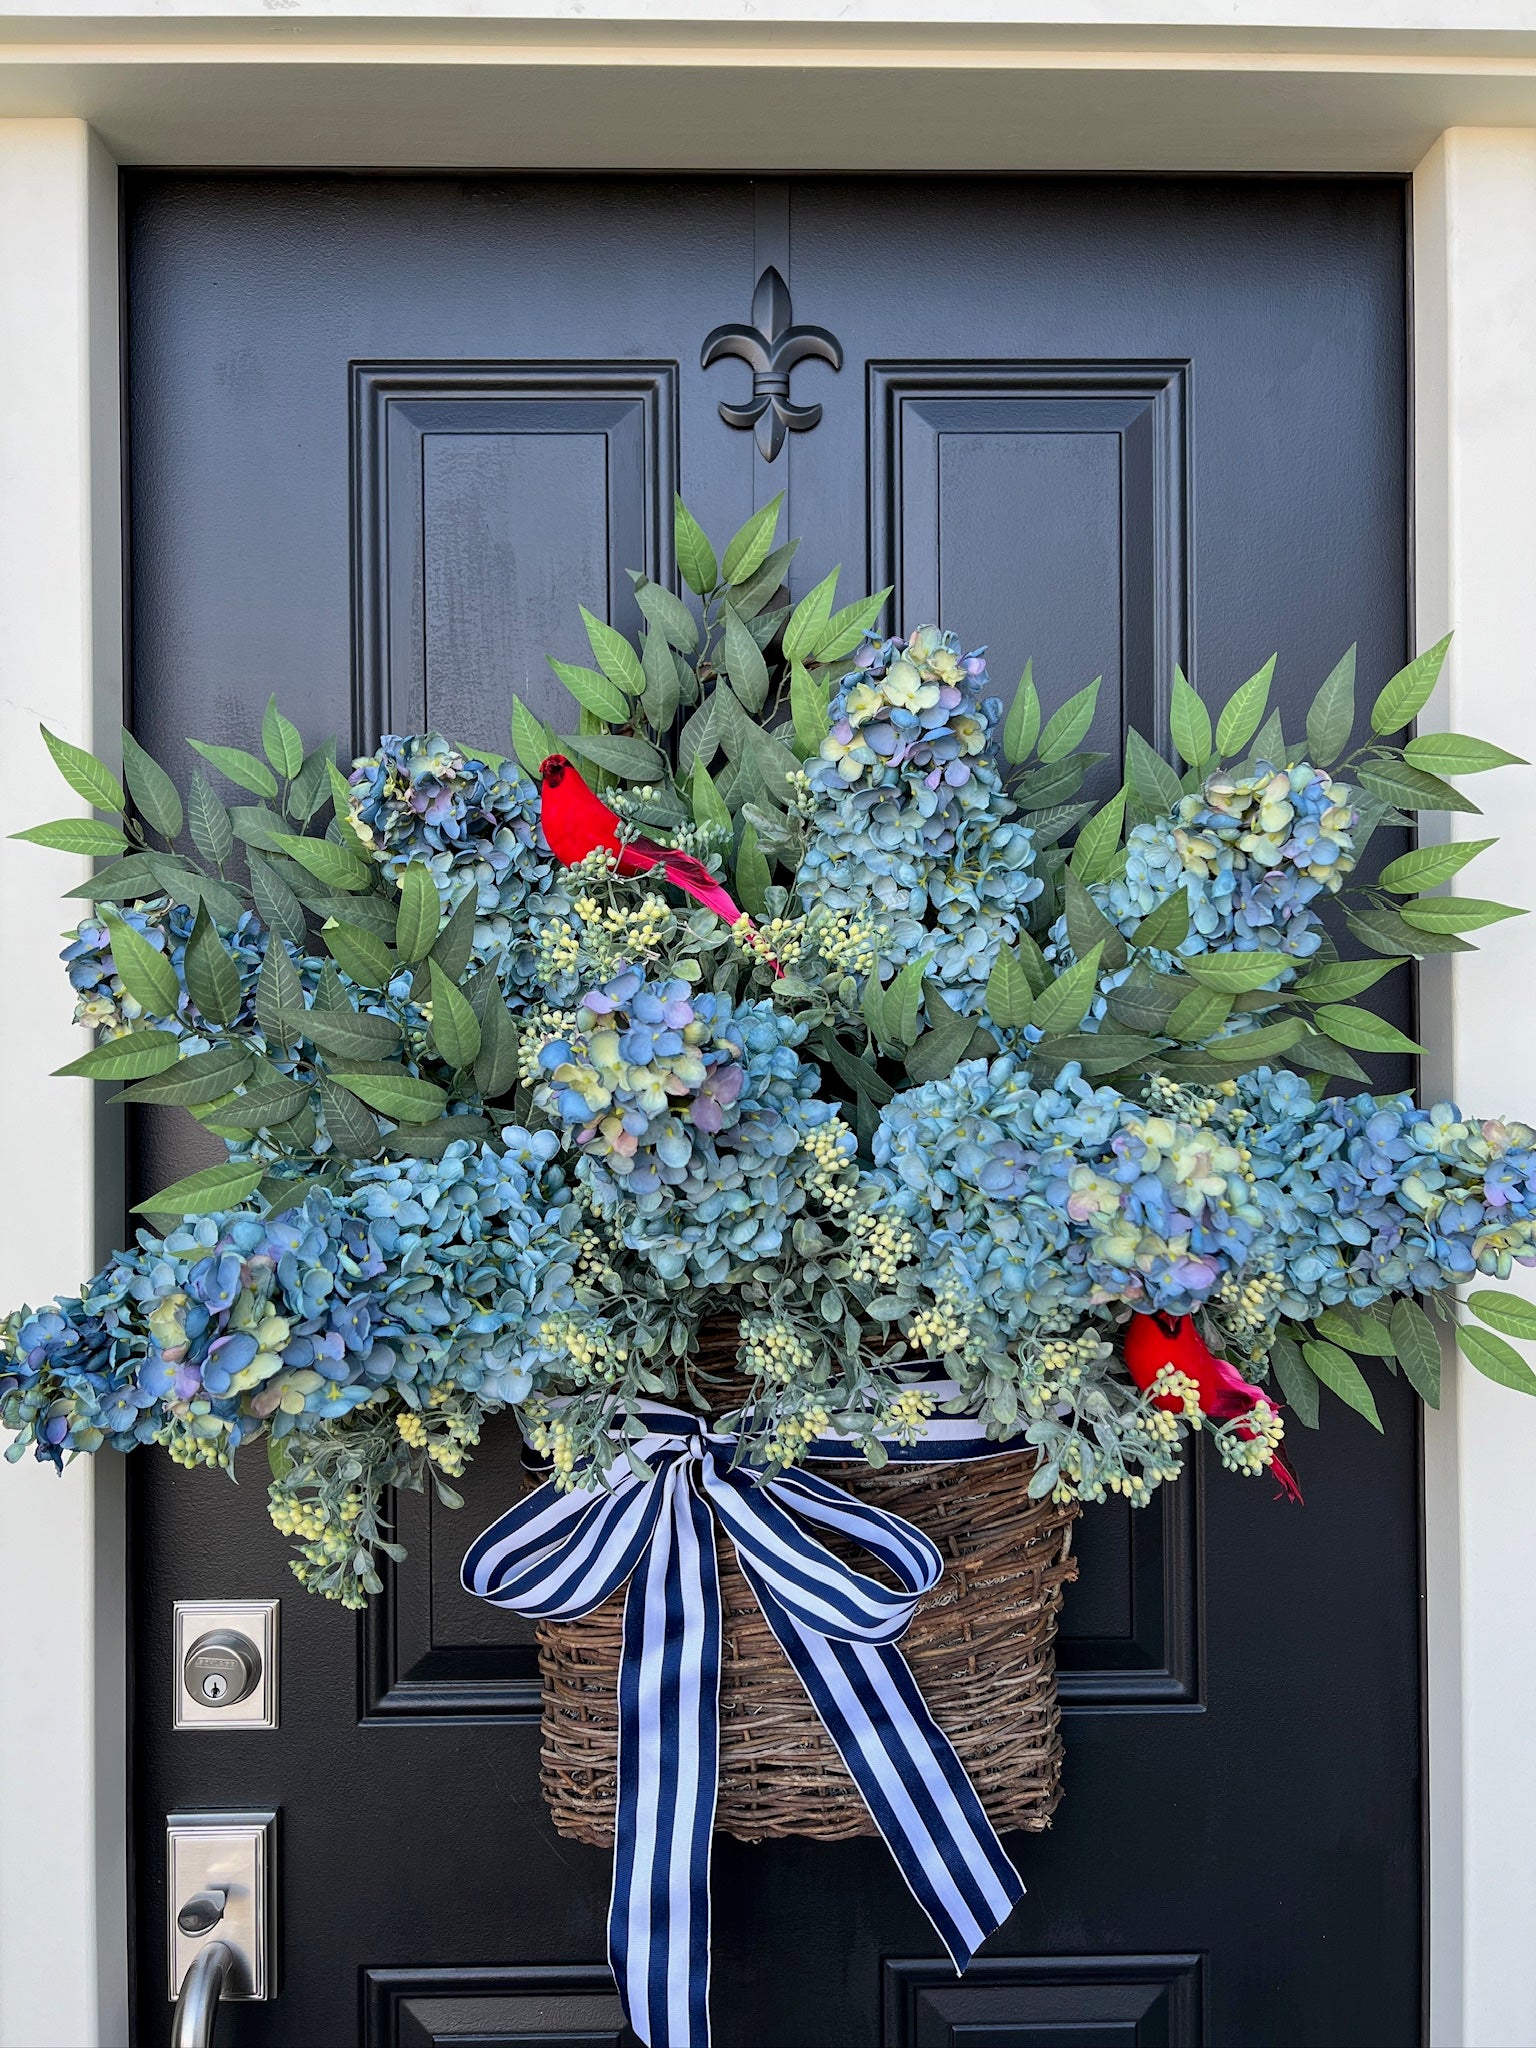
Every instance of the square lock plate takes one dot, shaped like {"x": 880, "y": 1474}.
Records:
{"x": 255, "y": 1621}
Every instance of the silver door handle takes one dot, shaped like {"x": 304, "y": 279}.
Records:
{"x": 198, "y": 2000}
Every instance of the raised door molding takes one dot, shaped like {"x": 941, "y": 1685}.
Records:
{"x": 1131, "y": 1632}
{"x": 1094, "y": 565}
{"x": 532, "y": 2005}
{"x": 1102, "y": 2001}
{"x": 490, "y": 477}
{"x": 1130, "y": 1641}
{"x": 428, "y": 1650}
{"x": 541, "y": 480}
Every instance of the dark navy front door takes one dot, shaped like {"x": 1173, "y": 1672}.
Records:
{"x": 385, "y": 432}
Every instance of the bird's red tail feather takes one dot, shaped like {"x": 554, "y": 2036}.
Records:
{"x": 1289, "y": 1489}
{"x": 694, "y": 879}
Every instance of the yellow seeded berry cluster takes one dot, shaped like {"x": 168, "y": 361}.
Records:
{"x": 882, "y": 1244}
{"x": 907, "y": 1414}
{"x": 850, "y": 945}
{"x": 1187, "y": 1104}
{"x": 1074, "y": 1484}
{"x": 793, "y": 1433}
{"x": 324, "y": 1541}
{"x": 193, "y": 1452}
{"x": 1171, "y": 1384}
{"x": 781, "y": 941}
{"x": 449, "y": 1455}
{"x": 941, "y": 1327}
{"x": 1064, "y": 1358}
{"x": 622, "y": 932}
{"x": 592, "y": 1261}
{"x": 772, "y": 1349}
{"x": 297, "y": 1514}
{"x": 557, "y": 950}
{"x": 1070, "y": 1484}
{"x": 593, "y": 1353}
{"x": 1246, "y": 1306}
{"x": 1252, "y": 1454}
{"x": 597, "y": 866}
{"x": 1131, "y": 1484}
{"x": 1054, "y": 1366}
{"x": 1152, "y": 1441}
{"x": 445, "y": 1438}
{"x": 552, "y": 1437}
{"x": 830, "y": 1177}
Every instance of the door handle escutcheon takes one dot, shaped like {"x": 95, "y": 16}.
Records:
{"x": 221, "y": 1909}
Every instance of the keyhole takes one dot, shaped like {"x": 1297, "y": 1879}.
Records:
{"x": 215, "y": 1685}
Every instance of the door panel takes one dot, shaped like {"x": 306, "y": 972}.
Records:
{"x": 1049, "y": 500}
{"x": 484, "y": 497}
{"x": 385, "y": 434}
{"x": 528, "y": 2008}
{"x": 1084, "y": 2001}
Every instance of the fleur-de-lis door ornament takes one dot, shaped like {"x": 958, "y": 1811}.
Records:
{"x": 772, "y": 347}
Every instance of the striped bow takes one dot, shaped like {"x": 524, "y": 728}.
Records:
{"x": 556, "y": 1556}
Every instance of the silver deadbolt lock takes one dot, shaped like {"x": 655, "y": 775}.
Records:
{"x": 225, "y": 1656}
{"x": 221, "y": 1668}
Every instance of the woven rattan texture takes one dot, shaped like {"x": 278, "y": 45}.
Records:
{"x": 982, "y": 1648}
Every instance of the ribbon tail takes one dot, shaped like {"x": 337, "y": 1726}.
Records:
{"x": 909, "y": 1777}
{"x": 669, "y": 1763}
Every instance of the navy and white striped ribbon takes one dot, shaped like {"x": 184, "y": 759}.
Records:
{"x": 556, "y": 1556}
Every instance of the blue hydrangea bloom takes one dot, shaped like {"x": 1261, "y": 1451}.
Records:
{"x": 1376, "y": 1196}
{"x": 103, "y": 1002}
{"x": 1045, "y": 1205}
{"x": 691, "y": 1114}
{"x": 1042, "y": 1204}
{"x": 1252, "y": 855}
{"x": 420, "y": 1274}
{"x": 910, "y": 823}
{"x": 476, "y": 826}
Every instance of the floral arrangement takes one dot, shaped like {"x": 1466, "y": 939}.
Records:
{"x": 796, "y": 983}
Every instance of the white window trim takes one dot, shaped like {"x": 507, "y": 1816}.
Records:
{"x": 1252, "y": 98}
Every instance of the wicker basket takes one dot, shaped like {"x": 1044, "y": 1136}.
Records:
{"x": 982, "y": 1648}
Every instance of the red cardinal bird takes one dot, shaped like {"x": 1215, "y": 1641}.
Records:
{"x": 577, "y": 822}
{"x": 1153, "y": 1341}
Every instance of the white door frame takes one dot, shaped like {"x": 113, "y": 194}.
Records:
{"x": 1003, "y": 86}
